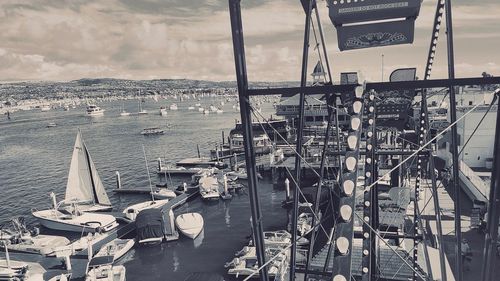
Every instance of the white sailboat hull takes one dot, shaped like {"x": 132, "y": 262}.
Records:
{"x": 87, "y": 222}
{"x": 132, "y": 211}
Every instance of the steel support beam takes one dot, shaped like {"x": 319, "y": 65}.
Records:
{"x": 491, "y": 238}
{"x": 246, "y": 120}
{"x": 377, "y": 86}
{"x": 300, "y": 130}
{"x": 454, "y": 141}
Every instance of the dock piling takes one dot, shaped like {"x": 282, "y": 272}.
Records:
{"x": 118, "y": 181}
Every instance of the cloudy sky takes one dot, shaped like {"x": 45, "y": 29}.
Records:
{"x": 146, "y": 39}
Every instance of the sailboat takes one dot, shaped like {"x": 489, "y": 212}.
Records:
{"x": 141, "y": 110}
{"x": 124, "y": 113}
{"x": 84, "y": 193}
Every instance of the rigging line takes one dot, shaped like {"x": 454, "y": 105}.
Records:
{"x": 425, "y": 145}
{"x": 295, "y": 182}
{"x": 389, "y": 246}
{"x": 280, "y": 252}
{"x": 286, "y": 142}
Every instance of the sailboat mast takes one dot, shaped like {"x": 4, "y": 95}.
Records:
{"x": 89, "y": 165}
{"x": 149, "y": 176}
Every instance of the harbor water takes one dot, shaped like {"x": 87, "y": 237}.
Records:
{"x": 34, "y": 161}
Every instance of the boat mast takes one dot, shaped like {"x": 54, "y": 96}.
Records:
{"x": 149, "y": 176}
{"x": 89, "y": 165}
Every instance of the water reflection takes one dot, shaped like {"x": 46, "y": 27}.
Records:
{"x": 199, "y": 239}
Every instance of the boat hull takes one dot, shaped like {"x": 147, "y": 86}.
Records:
{"x": 190, "y": 224}
{"x": 93, "y": 224}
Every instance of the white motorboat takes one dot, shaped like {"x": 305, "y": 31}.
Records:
{"x": 76, "y": 221}
{"x": 219, "y": 111}
{"x": 16, "y": 237}
{"x": 209, "y": 188}
{"x": 163, "y": 193}
{"x": 304, "y": 223}
{"x": 201, "y": 109}
{"x": 45, "y": 107}
{"x": 84, "y": 188}
{"x": 191, "y": 108}
{"x": 198, "y": 104}
{"x": 132, "y": 211}
{"x": 206, "y": 111}
{"x": 246, "y": 264}
{"x": 173, "y": 106}
{"x": 13, "y": 270}
{"x": 190, "y": 224}
{"x": 163, "y": 111}
{"x": 94, "y": 110}
{"x": 102, "y": 269}
{"x": 124, "y": 113}
{"x": 51, "y": 125}
{"x": 116, "y": 248}
{"x": 241, "y": 174}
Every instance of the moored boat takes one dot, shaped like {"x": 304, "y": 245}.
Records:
{"x": 132, "y": 211}
{"x": 116, "y": 248}
{"x": 94, "y": 110}
{"x": 190, "y": 224}
{"x": 152, "y": 131}
{"x": 102, "y": 269}
{"x": 163, "y": 193}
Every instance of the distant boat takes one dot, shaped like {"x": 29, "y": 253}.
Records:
{"x": 51, "y": 125}
{"x": 206, "y": 111}
{"x": 173, "y": 106}
{"x": 124, "y": 113}
{"x": 132, "y": 211}
{"x": 141, "y": 110}
{"x": 191, "y": 108}
{"x": 45, "y": 107}
{"x": 163, "y": 111}
{"x": 219, "y": 111}
{"x": 152, "y": 131}
{"x": 198, "y": 104}
{"x": 201, "y": 109}
{"x": 190, "y": 224}
{"x": 94, "y": 110}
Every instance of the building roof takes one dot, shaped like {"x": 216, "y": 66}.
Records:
{"x": 294, "y": 100}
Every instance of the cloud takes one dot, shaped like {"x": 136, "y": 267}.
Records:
{"x": 140, "y": 39}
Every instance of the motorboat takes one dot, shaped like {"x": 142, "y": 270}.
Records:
{"x": 75, "y": 221}
{"x": 152, "y": 131}
{"x": 241, "y": 174}
{"x": 172, "y": 169}
{"x": 153, "y": 226}
{"x": 45, "y": 107}
{"x": 201, "y": 109}
{"x": 213, "y": 108}
{"x": 219, "y": 111}
{"x": 173, "y": 106}
{"x": 209, "y": 188}
{"x": 84, "y": 188}
{"x": 198, "y": 104}
{"x": 116, "y": 248}
{"x": 13, "y": 270}
{"x": 190, "y": 224}
{"x": 17, "y": 238}
{"x": 51, "y": 125}
{"x": 206, "y": 111}
{"x": 191, "y": 108}
{"x": 94, "y": 110}
{"x": 132, "y": 211}
{"x": 163, "y": 193}
{"x": 163, "y": 111}
{"x": 246, "y": 264}
{"x": 101, "y": 268}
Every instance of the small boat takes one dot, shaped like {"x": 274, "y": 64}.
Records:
{"x": 152, "y": 131}
{"x": 304, "y": 223}
{"x": 201, "y": 109}
{"x": 153, "y": 226}
{"x": 76, "y": 221}
{"x": 16, "y": 237}
{"x": 163, "y": 111}
{"x": 246, "y": 263}
{"x": 102, "y": 269}
{"x": 51, "y": 125}
{"x": 191, "y": 108}
{"x": 173, "y": 106}
{"x": 172, "y": 169}
{"x": 163, "y": 193}
{"x": 132, "y": 211}
{"x": 190, "y": 224}
{"x": 124, "y": 113}
{"x": 12, "y": 270}
{"x": 94, "y": 110}
{"x": 45, "y": 107}
{"x": 209, "y": 188}
{"x": 219, "y": 111}
{"x": 116, "y": 248}
{"x": 206, "y": 111}
{"x": 198, "y": 104}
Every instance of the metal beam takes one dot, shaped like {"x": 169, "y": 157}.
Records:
{"x": 246, "y": 120}
{"x": 377, "y": 86}
{"x": 300, "y": 131}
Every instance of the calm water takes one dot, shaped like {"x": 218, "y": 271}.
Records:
{"x": 34, "y": 160}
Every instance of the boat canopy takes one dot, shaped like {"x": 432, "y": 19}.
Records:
{"x": 150, "y": 223}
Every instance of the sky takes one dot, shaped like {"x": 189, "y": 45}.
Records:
{"x": 61, "y": 40}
